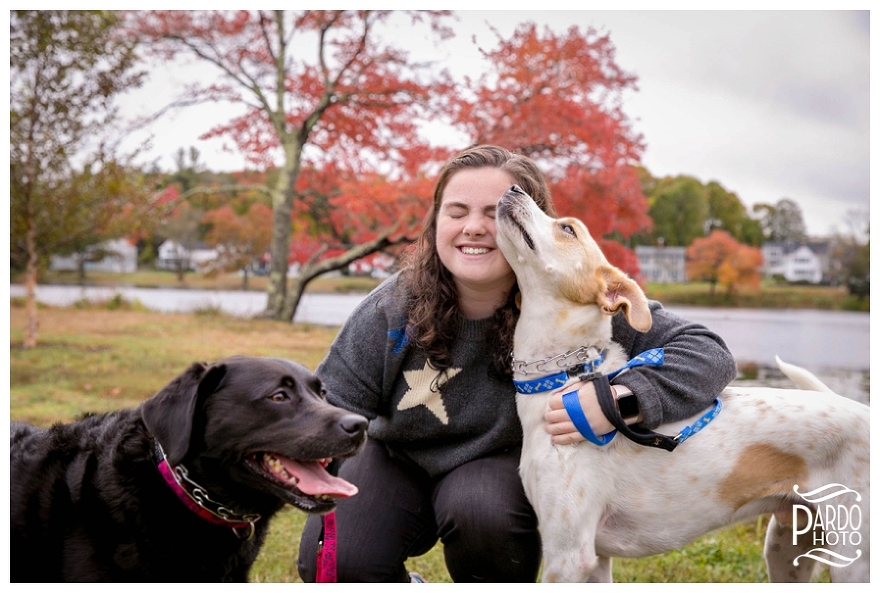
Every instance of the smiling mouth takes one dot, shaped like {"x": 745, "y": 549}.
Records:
{"x": 475, "y": 250}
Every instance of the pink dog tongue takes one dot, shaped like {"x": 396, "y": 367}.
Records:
{"x": 314, "y": 480}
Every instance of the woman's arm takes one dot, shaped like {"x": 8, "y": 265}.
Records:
{"x": 355, "y": 368}
{"x": 697, "y": 366}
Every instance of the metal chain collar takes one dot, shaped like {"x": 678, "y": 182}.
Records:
{"x": 200, "y": 496}
{"x": 580, "y": 356}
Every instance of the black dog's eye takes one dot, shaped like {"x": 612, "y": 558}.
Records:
{"x": 568, "y": 229}
{"x": 279, "y": 396}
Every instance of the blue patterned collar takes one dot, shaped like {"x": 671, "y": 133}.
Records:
{"x": 653, "y": 357}
{"x": 586, "y": 359}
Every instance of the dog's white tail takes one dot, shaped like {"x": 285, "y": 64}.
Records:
{"x": 803, "y": 378}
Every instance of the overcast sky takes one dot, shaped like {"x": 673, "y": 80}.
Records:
{"x": 771, "y": 104}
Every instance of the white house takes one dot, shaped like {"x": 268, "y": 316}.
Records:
{"x": 119, "y": 257}
{"x": 796, "y": 262}
{"x": 663, "y": 265}
{"x": 191, "y": 255}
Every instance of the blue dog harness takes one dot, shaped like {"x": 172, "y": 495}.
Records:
{"x": 585, "y": 371}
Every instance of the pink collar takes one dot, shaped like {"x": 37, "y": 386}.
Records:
{"x": 196, "y": 499}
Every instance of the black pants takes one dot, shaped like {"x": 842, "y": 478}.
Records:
{"x": 478, "y": 510}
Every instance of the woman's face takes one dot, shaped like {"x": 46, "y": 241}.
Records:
{"x": 466, "y": 230}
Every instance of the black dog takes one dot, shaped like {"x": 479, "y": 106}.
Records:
{"x": 181, "y": 488}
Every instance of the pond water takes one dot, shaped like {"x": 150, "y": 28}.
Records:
{"x": 834, "y": 345}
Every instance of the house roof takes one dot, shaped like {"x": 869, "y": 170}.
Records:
{"x": 190, "y": 244}
{"x": 819, "y": 248}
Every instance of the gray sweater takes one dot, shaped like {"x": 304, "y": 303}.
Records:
{"x": 442, "y": 421}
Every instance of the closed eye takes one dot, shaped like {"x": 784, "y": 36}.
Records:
{"x": 568, "y": 229}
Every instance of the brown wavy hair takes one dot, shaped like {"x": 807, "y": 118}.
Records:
{"x": 432, "y": 307}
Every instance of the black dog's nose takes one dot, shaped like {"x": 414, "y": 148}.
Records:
{"x": 353, "y": 423}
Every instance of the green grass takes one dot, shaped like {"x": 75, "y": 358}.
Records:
{"x": 96, "y": 359}
{"x": 770, "y": 295}
{"x": 147, "y": 278}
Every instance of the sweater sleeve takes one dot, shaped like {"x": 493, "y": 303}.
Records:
{"x": 355, "y": 367}
{"x": 697, "y": 366}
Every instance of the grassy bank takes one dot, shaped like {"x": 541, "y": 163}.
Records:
{"x": 165, "y": 279}
{"x": 769, "y": 296}
{"x": 100, "y": 360}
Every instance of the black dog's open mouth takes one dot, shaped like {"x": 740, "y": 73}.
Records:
{"x": 308, "y": 484}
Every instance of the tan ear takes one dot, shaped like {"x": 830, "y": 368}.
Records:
{"x": 621, "y": 292}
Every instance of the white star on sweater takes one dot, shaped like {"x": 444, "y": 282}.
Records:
{"x": 424, "y": 390}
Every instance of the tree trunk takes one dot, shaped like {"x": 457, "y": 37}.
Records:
{"x": 30, "y": 334}
{"x": 279, "y": 248}
{"x": 81, "y": 268}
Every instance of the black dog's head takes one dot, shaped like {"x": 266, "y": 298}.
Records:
{"x": 254, "y": 428}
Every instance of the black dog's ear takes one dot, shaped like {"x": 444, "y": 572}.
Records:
{"x": 169, "y": 414}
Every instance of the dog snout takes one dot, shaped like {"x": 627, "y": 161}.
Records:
{"x": 514, "y": 194}
{"x": 514, "y": 199}
{"x": 354, "y": 424}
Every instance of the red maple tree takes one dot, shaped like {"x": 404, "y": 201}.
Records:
{"x": 557, "y": 98}
{"x": 353, "y": 170}
{"x": 353, "y": 100}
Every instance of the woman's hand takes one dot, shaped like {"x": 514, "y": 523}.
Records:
{"x": 559, "y": 425}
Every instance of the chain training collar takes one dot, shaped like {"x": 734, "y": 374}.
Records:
{"x": 196, "y": 498}
{"x": 582, "y": 356}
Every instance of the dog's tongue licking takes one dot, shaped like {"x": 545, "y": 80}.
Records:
{"x": 314, "y": 480}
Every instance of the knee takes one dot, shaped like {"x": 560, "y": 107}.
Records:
{"x": 486, "y": 542}
{"x": 308, "y": 549}
{"x": 356, "y": 561}
{"x": 476, "y": 510}
{"x": 482, "y": 522}
{"x": 466, "y": 516}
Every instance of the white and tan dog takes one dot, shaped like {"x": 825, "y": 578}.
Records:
{"x": 788, "y": 452}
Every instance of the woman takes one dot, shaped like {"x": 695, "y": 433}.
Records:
{"x": 426, "y": 356}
